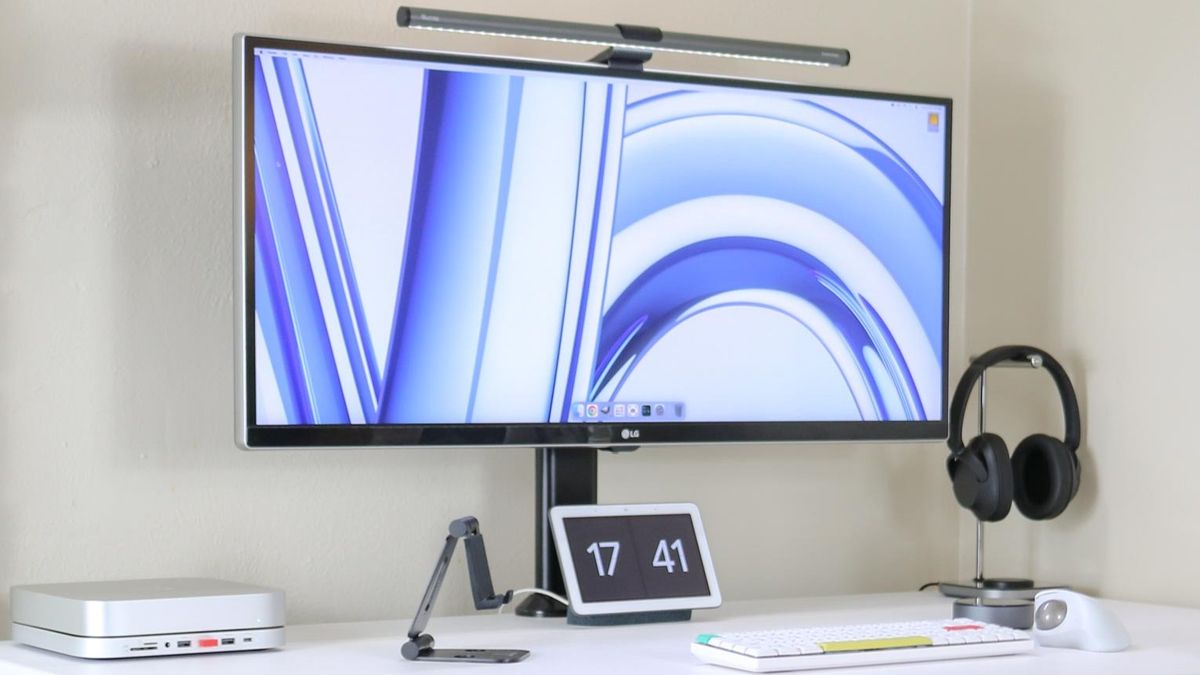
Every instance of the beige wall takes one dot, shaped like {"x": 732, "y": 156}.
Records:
{"x": 116, "y": 410}
{"x": 1084, "y": 233}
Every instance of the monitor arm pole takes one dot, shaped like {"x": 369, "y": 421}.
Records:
{"x": 564, "y": 476}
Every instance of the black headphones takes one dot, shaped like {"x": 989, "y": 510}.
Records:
{"x": 1043, "y": 474}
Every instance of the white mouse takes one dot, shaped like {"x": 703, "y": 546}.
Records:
{"x": 1068, "y": 619}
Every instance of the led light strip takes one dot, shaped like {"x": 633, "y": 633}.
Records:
{"x": 634, "y": 37}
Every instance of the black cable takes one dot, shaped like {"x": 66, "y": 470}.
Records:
{"x": 924, "y": 586}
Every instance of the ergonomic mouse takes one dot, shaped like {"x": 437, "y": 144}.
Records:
{"x": 1065, "y": 618}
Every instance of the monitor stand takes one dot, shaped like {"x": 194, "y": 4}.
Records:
{"x": 564, "y": 476}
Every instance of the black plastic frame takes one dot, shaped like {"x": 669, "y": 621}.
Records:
{"x": 566, "y": 434}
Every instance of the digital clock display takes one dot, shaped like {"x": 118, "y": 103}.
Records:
{"x": 636, "y": 557}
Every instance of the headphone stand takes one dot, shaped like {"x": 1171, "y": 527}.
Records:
{"x": 981, "y": 588}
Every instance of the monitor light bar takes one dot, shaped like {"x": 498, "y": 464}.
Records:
{"x": 618, "y": 36}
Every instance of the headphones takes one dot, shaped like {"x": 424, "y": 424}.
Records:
{"x": 1043, "y": 474}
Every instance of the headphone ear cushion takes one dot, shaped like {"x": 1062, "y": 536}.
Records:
{"x": 988, "y": 496}
{"x": 1046, "y": 477}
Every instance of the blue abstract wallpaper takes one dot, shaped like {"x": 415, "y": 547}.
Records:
{"x": 465, "y": 244}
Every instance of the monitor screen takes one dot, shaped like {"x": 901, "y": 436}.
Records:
{"x": 453, "y": 250}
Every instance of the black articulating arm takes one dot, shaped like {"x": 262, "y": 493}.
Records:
{"x": 420, "y": 643}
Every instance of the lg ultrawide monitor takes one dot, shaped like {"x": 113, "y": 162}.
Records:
{"x": 439, "y": 249}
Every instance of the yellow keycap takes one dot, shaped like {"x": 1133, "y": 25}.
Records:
{"x": 867, "y": 645}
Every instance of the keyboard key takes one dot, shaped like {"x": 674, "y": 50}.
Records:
{"x": 881, "y": 643}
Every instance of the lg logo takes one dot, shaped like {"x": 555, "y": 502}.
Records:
{"x": 630, "y": 433}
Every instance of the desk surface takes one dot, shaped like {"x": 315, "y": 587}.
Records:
{"x": 1165, "y": 640}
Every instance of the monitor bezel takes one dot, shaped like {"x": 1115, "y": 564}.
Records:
{"x": 252, "y": 436}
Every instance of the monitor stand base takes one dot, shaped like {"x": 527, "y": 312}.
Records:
{"x": 541, "y": 607}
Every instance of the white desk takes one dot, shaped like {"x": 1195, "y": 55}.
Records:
{"x": 1165, "y": 640}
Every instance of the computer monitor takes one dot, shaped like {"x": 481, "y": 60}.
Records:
{"x": 448, "y": 250}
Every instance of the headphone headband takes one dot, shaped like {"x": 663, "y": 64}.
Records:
{"x": 1066, "y": 392}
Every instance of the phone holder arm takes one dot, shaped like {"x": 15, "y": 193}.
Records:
{"x": 477, "y": 566}
{"x": 420, "y": 643}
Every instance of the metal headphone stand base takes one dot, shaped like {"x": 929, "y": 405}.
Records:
{"x": 997, "y": 588}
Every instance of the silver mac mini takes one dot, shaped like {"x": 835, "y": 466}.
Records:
{"x": 147, "y": 617}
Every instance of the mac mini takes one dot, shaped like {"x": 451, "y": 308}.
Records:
{"x": 148, "y": 617}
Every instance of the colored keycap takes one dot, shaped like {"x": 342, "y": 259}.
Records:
{"x": 884, "y": 643}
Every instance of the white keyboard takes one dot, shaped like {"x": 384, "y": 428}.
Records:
{"x": 859, "y": 645}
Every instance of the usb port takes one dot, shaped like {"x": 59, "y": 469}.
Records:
{"x": 184, "y": 643}
{"x": 227, "y": 641}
